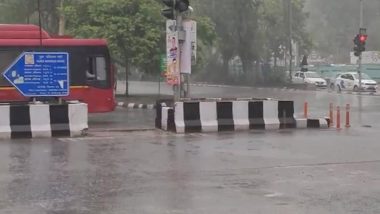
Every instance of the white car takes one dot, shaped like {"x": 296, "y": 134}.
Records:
{"x": 309, "y": 78}
{"x": 350, "y": 82}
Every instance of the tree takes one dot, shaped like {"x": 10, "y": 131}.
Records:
{"x": 236, "y": 26}
{"x": 17, "y": 11}
{"x": 255, "y": 32}
{"x": 21, "y": 11}
{"x": 133, "y": 29}
{"x": 272, "y": 30}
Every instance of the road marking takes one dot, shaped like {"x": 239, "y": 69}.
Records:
{"x": 86, "y": 138}
{"x": 275, "y": 194}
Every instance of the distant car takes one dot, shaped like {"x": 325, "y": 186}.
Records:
{"x": 350, "y": 82}
{"x": 309, "y": 78}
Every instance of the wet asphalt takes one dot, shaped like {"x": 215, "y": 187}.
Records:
{"x": 124, "y": 165}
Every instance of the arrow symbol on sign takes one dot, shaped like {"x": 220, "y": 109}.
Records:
{"x": 61, "y": 82}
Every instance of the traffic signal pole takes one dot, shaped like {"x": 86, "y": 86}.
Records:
{"x": 174, "y": 12}
{"x": 290, "y": 25}
{"x": 361, "y": 13}
{"x": 360, "y": 71}
{"x": 360, "y": 56}
{"x": 184, "y": 85}
{"x": 181, "y": 39}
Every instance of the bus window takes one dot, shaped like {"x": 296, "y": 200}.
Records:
{"x": 90, "y": 71}
{"x": 97, "y": 69}
{"x": 101, "y": 72}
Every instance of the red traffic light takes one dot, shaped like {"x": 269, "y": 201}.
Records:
{"x": 363, "y": 38}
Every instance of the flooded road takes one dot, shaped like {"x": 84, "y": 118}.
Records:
{"x": 304, "y": 171}
{"x": 124, "y": 165}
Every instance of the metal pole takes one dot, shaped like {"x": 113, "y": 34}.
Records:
{"x": 360, "y": 56}
{"x": 159, "y": 86}
{"x": 360, "y": 72}
{"x": 179, "y": 29}
{"x": 188, "y": 86}
{"x": 361, "y": 13}
{"x": 290, "y": 10}
{"x": 39, "y": 20}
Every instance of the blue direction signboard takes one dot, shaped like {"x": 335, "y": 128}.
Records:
{"x": 38, "y": 74}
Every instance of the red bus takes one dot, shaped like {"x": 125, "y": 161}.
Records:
{"x": 91, "y": 71}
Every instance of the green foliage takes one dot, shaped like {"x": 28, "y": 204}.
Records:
{"x": 133, "y": 28}
{"x": 26, "y": 11}
{"x": 16, "y": 11}
{"x": 252, "y": 30}
{"x": 206, "y": 40}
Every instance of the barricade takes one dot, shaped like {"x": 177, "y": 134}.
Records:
{"x": 217, "y": 115}
{"x": 162, "y": 107}
{"x": 43, "y": 120}
{"x": 321, "y": 123}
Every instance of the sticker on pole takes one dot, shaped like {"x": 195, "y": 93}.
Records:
{"x": 40, "y": 74}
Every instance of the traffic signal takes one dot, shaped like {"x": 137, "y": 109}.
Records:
{"x": 182, "y": 5}
{"x": 174, "y": 5}
{"x": 360, "y": 42}
{"x": 169, "y": 12}
{"x": 356, "y": 47}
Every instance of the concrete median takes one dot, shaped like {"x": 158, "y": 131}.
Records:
{"x": 43, "y": 120}
{"x": 218, "y": 116}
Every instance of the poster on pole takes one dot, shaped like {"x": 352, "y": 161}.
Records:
{"x": 189, "y": 47}
{"x": 193, "y": 39}
{"x": 172, "y": 53}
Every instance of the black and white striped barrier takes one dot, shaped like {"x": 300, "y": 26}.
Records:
{"x": 321, "y": 123}
{"x": 233, "y": 116}
{"x": 136, "y": 106}
{"x": 43, "y": 120}
{"x": 210, "y": 116}
{"x": 165, "y": 115}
